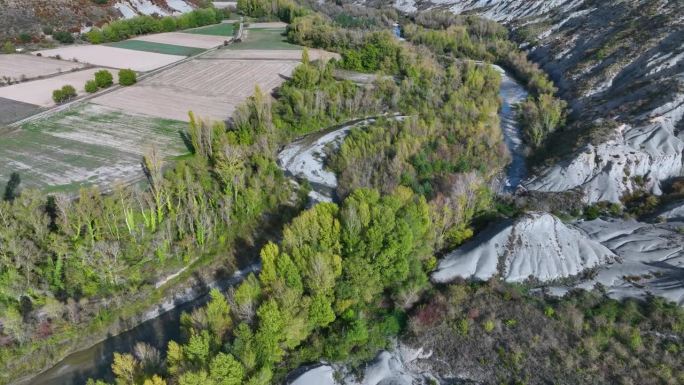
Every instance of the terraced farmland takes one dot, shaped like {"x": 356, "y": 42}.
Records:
{"x": 148, "y": 46}
{"x": 89, "y": 145}
{"x": 39, "y": 92}
{"x": 25, "y": 67}
{"x": 211, "y": 88}
{"x": 102, "y": 55}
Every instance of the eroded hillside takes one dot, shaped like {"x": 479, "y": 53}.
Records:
{"x": 620, "y": 64}
{"x": 32, "y": 17}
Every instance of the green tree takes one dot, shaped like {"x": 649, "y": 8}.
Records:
{"x": 127, "y": 77}
{"x": 104, "y": 78}
{"x": 91, "y": 86}
{"x": 218, "y": 314}
{"x": 12, "y": 187}
{"x": 226, "y": 370}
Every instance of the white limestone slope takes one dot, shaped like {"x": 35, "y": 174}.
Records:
{"x": 500, "y": 10}
{"x": 132, "y": 8}
{"x": 538, "y": 245}
{"x": 394, "y": 367}
{"x": 651, "y": 258}
{"x": 608, "y": 171}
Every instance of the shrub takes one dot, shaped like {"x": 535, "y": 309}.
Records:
{"x": 63, "y": 37}
{"x": 91, "y": 86}
{"x": 48, "y": 30}
{"x": 8, "y": 48}
{"x": 64, "y": 94}
{"x": 127, "y": 77}
{"x": 104, "y": 78}
{"x": 100, "y": 2}
{"x": 95, "y": 36}
{"x": 25, "y": 38}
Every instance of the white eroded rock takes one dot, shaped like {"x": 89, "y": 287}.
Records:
{"x": 651, "y": 258}
{"x": 537, "y": 245}
{"x": 320, "y": 375}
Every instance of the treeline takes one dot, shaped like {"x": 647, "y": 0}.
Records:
{"x": 59, "y": 255}
{"x": 123, "y": 29}
{"x": 283, "y": 10}
{"x": 470, "y": 37}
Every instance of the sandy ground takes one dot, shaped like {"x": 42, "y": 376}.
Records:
{"x": 102, "y": 55}
{"x": 185, "y": 39}
{"x": 284, "y": 54}
{"x": 272, "y": 24}
{"x": 210, "y": 88}
{"x": 39, "y": 92}
{"x": 29, "y": 66}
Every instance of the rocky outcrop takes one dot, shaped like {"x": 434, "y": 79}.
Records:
{"x": 495, "y": 10}
{"x": 619, "y": 61}
{"x": 395, "y": 367}
{"x": 538, "y": 246}
{"x": 651, "y": 258}
{"x": 31, "y": 16}
{"x": 672, "y": 212}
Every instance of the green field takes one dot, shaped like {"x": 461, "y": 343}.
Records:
{"x": 89, "y": 145}
{"x": 264, "y": 38}
{"x": 221, "y": 29}
{"x": 147, "y": 46}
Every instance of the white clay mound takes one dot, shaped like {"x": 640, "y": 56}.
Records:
{"x": 537, "y": 245}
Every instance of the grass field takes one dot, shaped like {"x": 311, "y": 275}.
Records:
{"x": 147, "y": 46}
{"x": 264, "y": 38}
{"x": 221, "y": 29}
{"x": 89, "y": 145}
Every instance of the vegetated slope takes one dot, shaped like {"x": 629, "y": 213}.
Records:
{"x": 621, "y": 66}
{"x": 32, "y": 16}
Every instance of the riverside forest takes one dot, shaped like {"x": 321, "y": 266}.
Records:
{"x": 386, "y": 210}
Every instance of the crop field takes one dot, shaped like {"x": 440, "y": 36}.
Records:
{"x": 89, "y": 145}
{"x": 148, "y": 46}
{"x": 39, "y": 92}
{"x": 184, "y": 39}
{"x": 12, "y": 110}
{"x": 17, "y": 67}
{"x": 268, "y": 24}
{"x": 220, "y": 29}
{"x": 102, "y": 55}
{"x": 264, "y": 38}
{"x": 211, "y": 88}
{"x": 270, "y": 54}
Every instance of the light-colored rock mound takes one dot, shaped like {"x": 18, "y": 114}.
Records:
{"x": 651, "y": 258}
{"x": 537, "y": 245}
{"x": 320, "y": 375}
{"x": 395, "y": 367}
{"x": 673, "y": 212}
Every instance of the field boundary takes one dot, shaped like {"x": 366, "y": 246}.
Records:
{"x": 75, "y": 103}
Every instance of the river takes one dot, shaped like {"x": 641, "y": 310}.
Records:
{"x": 303, "y": 158}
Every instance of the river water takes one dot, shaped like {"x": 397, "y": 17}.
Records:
{"x": 304, "y": 158}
